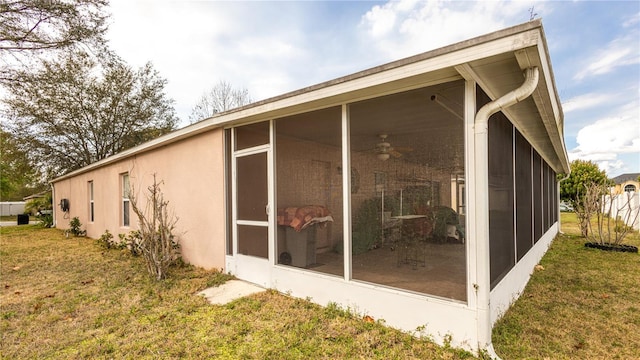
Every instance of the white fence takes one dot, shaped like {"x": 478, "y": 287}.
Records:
{"x": 9, "y": 208}
{"x": 625, "y": 206}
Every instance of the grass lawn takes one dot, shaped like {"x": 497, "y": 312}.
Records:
{"x": 585, "y": 304}
{"x": 70, "y": 298}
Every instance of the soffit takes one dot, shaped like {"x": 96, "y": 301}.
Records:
{"x": 539, "y": 117}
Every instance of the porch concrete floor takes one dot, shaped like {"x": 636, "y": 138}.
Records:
{"x": 443, "y": 272}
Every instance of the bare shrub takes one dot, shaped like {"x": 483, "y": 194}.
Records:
{"x": 584, "y": 214}
{"x": 609, "y": 227}
{"x": 590, "y": 205}
{"x": 158, "y": 245}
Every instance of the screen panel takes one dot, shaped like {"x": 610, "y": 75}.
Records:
{"x": 538, "y": 223}
{"x": 524, "y": 206}
{"x": 501, "y": 197}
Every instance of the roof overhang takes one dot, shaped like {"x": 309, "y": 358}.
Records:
{"x": 494, "y": 61}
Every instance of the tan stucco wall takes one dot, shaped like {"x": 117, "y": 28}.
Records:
{"x": 192, "y": 171}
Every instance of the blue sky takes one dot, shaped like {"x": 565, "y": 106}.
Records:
{"x": 272, "y": 47}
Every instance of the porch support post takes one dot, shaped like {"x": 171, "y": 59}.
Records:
{"x": 481, "y": 181}
{"x": 346, "y": 192}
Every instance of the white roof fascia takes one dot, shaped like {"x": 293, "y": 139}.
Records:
{"x": 446, "y": 60}
{"x": 552, "y": 122}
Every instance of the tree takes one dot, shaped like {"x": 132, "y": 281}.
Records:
{"x": 32, "y": 26}
{"x": 79, "y": 109}
{"x": 17, "y": 177}
{"x": 221, "y": 97}
{"x": 584, "y": 175}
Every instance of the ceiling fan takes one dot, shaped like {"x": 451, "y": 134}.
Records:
{"x": 384, "y": 149}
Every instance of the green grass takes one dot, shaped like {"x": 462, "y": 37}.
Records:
{"x": 584, "y": 304}
{"x": 70, "y": 298}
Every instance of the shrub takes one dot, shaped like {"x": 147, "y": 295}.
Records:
{"x": 106, "y": 240}
{"x": 132, "y": 242}
{"x": 45, "y": 220}
{"x": 75, "y": 227}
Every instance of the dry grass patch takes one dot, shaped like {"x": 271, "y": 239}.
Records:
{"x": 70, "y": 298}
{"x": 585, "y": 304}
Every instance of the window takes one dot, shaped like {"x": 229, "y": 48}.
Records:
{"x": 629, "y": 188}
{"x": 125, "y": 199}
{"x": 91, "y": 204}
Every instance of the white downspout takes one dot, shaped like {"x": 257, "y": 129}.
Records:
{"x": 483, "y": 287}
{"x": 53, "y": 204}
{"x": 558, "y": 201}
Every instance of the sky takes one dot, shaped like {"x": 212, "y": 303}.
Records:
{"x": 273, "y": 47}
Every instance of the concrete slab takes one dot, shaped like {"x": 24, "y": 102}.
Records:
{"x": 230, "y": 291}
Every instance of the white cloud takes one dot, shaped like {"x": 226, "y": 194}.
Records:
{"x": 194, "y": 45}
{"x": 622, "y": 51}
{"x": 607, "y": 139}
{"x": 585, "y": 101}
{"x": 611, "y": 167}
{"x": 404, "y": 28}
{"x": 178, "y": 38}
{"x": 381, "y": 19}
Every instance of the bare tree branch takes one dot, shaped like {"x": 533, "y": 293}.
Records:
{"x": 34, "y": 27}
{"x": 220, "y": 98}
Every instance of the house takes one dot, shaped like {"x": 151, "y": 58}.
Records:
{"x": 626, "y": 183}
{"x": 624, "y": 201}
{"x": 422, "y": 192}
{"x": 37, "y": 203}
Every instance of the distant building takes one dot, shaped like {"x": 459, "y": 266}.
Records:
{"x": 626, "y": 183}
{"x": 29, "y": 200}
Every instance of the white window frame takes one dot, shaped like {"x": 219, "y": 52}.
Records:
{"x": 91, "y": 203}
{"x": 125, "y": 207}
